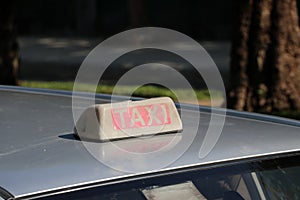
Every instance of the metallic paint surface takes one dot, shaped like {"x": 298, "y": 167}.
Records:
{"x": 38, "y": 152}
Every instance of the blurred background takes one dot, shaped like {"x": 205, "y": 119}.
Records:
{"x": 43, "y": 44}
{"x": 59, "y": 34}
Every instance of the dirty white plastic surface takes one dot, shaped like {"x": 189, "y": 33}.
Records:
{"x": 129, "y": 119}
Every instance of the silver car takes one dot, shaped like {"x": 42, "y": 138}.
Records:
{"x": 256, "y": 156}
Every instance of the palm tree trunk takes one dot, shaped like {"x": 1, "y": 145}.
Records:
{"x": 265, "y": 57}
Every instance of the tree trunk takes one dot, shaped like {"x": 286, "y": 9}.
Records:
{"x": 265, "y": 57}
{"x": 137, "y": 13}
{"x": 9, "y": 48}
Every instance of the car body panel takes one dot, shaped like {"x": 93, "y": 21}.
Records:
{"x": 38, "y": 152}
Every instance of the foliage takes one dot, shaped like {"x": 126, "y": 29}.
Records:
{"x": 146, "y": 91}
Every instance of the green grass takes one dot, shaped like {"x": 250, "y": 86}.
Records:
{"x": 146, "y": 91}
{"x": 287, "y": 114}
{"x": 48, "y": 85}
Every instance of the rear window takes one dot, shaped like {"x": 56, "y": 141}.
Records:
{"x": 276, "y": 178}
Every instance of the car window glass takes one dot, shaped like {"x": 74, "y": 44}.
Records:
{"x": 269, "y": 179}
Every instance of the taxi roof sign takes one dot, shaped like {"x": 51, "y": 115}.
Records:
{"x": 128, "y": 119}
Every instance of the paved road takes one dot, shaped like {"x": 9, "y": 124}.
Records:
{"x": 53, "y": 58}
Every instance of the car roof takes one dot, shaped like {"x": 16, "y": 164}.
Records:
{"x": 39, "y": 153}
